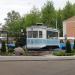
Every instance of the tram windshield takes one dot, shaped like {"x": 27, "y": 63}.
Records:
{"x": 51, "y": 34}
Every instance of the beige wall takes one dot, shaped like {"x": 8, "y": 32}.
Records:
{"x": 69, "y": 28}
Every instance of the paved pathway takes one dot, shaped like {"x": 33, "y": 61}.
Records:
{"x": 35, "y": 58}
{"x": 66, "y": 67}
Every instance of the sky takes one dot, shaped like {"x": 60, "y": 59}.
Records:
{"x": 24, "y": 6}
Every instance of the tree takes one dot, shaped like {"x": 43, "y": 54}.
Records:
{"x": 59, "y": 21}
{"x": 32, "y": 18}
{"x": 13, "y": 22}
{"x": 68, "y": 10}
{"x": 68, "y": 47}
{"x": 48, "y": 14}
{"x": 73, "y": 7}
{"x": 12, "y": 16}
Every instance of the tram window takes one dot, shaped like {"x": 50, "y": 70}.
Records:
{"x": 32, "y": 34}
{"x": 40, "y": 34}
{"x": 55, "y": 34}
{"x": 35, "y": 34}
{"x": 29, "y": 34}
{"x": 51, "y": 34}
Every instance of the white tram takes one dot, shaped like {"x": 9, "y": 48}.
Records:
{"x": 40, "y": 37}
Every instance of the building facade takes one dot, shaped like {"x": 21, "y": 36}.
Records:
{"x": 69, "y": 28}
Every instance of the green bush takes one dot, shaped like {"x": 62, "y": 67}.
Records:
{"x": 3, "y": 49}
{"x": 68, "y": 47}
{"x": 62, "y": 53}
{"x": 73, "y": 51}
{"x": 74, "y": 45}
{"x": 59, "y": 53}
{"x": 10, "y": 50}
{"x": 69, "y": 54}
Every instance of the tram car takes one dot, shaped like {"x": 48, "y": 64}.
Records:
{"x": 42, "y": 37}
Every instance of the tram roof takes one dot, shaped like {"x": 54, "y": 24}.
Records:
{"x": 42, "y": 27}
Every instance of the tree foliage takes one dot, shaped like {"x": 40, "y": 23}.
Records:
{"x": 33, "y": 17}
{"x": 12, "y": 19}
{"x": 13, "y": 22}
{"x": 68, "y": 10}
{"x": 59, "y": 21}
{"x": 12, "y": 16}
{"x": 48, "y": 14}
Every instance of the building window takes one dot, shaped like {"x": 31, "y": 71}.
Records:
{"x": 40, "y": 34}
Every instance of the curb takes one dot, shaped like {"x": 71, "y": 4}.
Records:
{"x": 35, "y": 58}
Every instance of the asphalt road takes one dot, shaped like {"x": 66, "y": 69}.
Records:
{"x": 65, "y": 67}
